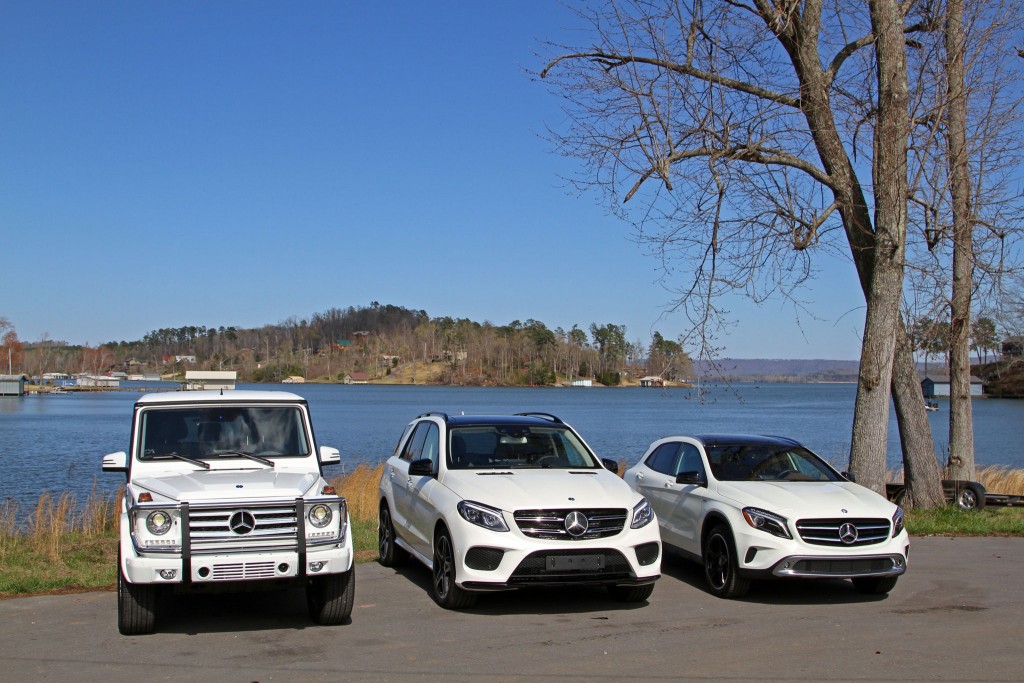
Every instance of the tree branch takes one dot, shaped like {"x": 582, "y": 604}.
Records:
{"x": 611, "y": 61}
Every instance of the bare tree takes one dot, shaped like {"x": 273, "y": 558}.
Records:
{"x": 756, "y": 121}
{"x": 966, "y": 148}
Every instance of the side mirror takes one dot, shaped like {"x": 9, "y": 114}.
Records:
{"x": 610, "y": 465}
{"x": 421, "y": 468}
{"x": 692, "y": 478}
{"x": 115, "y": 462}
{"x": 329, "y": 456}
{"x": 849, "y": 476}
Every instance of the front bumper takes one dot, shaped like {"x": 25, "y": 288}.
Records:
{"x": 172, "y": 568}
{"x": 490, "y": 561}
{"x": 840, "y": 567}
{"x": 761, "y": 555}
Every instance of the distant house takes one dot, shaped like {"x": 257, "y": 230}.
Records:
{"x": 210, "y": 379}
{"x": 652, "y": 381}
{"x": 97, "y": 381}
{"x": 583, "y": 382}
{"x": 293, "y": 379}
{"x": 1013, "y": 346}
{"x": 12, "y": 385}
{"x": 936, "y": 383}
{"x": 357, "y": 378}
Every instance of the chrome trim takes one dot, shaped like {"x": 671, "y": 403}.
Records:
{"x": 898, "y": 565}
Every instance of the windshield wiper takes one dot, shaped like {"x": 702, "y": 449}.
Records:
{"x": 250, "y": 456}
{"x": 197, "y": 463}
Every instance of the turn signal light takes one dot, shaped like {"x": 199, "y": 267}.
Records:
{"x": 146, "y": 497}
{"x": 329, "y": 491}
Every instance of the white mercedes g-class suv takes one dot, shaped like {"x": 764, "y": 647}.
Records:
{"x": 224, "y": 490}
{"x": 493, "y": 503}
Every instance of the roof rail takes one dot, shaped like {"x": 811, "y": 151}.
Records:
{"x": 437, "y": 413}
{"x": 548, "y": 416}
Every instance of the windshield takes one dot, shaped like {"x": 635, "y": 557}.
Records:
{"x": 755, "y": 462}
{"x": 517, "y": 446}
{"x": 202, "y": 432}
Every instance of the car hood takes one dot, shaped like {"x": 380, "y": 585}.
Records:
{"x": 799, "y": 499}
{"x": 227, "y": 485}
{"x": 523, "y": 489}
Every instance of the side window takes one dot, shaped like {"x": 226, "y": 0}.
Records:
{"x": 663, "y": 459}
{"x": 415, "y": 444}
{"x": 690, "y": 462}
{"x": 430, "y": 444}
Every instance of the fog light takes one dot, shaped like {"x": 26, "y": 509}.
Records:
{"x": 283, "y": 568}
{"x": 203, "y": 572}
{"x": 168, "y": 574}
{"x": 316, "y": 566}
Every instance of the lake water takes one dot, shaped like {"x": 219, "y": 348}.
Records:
{"x": 56, "y": 442}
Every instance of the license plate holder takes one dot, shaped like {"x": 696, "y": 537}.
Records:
{"x": 575, "y": 563}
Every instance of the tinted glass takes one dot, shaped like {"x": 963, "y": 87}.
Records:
{"x": 664, "y": 458}
{"x": 755, "y": 462}
{"x": 517, "y": 446}
{"x": 210, "y": 431}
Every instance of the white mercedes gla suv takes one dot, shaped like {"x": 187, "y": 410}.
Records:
{"x": 503, "y": 502}
{"x": 750, "y": 507}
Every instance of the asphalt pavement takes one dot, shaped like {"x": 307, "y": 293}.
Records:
{"x": 955, "y": 615}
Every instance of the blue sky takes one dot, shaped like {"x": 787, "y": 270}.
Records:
{"x": 228, "y": 163}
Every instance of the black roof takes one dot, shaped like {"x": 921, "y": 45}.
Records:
{"x": 746, "y": 440}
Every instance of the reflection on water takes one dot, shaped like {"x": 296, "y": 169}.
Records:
{"x": 55, "y": 443}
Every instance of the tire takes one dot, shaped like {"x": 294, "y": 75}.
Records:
{"x": 136, "y": 605}
{"x": 446, "y": 593}
{"x": 630, "y": 593}
{"x": 875, "y": 585}
{"x": 720, "y": 567}
{"x": 330, "y": 598}
{"x": 388, "y": 553}
{"x": 969, "y": 496}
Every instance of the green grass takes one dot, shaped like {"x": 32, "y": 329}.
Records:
{"x": 81, "y": 562}
{"x": 950, "y": 521}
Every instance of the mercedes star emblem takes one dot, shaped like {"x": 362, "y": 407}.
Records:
{"x": 242, "y": 522}
{"x": 576, "y": 523}
{"x": 847, "y": 533}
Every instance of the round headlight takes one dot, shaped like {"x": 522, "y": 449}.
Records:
{"x": 320, "y": 515}
{"x": 158, "y": 522}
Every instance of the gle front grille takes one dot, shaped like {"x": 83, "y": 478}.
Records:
{"x": 571, "y": 524}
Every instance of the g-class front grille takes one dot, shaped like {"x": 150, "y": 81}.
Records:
{"x": 583, "y": 525}
{"x": 843, "y": 532}
{"x": 225, "y": 529}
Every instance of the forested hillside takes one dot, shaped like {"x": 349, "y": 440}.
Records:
{"x": 379, "y": 341}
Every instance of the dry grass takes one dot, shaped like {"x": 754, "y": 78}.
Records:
{"x": 360, "y": 489}
{"x": 53, "y": 521}
{"x": 999, "y": 479}
{"x": 995, "y": 479}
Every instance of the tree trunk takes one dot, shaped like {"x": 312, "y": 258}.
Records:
{"x": 871, "y": 412}
{"x": 921, "y": 475}
{"x": 920, "y": 465}
{"x": 961, "y": 428}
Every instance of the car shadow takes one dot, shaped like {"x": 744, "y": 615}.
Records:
{"x": 537, "y": 600}
{"x": 768, "y": 592}
{"x": 261, "y": 610}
